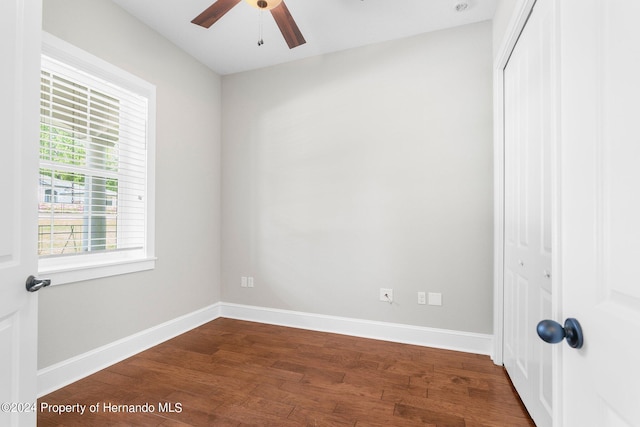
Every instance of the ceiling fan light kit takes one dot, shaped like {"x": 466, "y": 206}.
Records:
{"x": 279, "y": 11}
{"x": 264, "y": 4}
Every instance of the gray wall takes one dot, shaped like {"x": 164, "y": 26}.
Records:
{"x": 341, "y": 174}
{"x": 76, "y": 318}
{"x": 364, "y": 169}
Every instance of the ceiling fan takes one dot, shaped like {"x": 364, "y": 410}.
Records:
{"x": 278, "y": 9}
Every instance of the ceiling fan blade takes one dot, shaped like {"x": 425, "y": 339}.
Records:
{"x": 288, "y": 26}
{"x": 214, "y": 12}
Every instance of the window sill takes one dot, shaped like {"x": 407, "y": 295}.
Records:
{"x": 79, "y": 273}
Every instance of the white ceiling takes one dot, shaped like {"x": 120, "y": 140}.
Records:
{"x": 230, "y": 45}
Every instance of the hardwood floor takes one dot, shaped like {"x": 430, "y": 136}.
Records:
{"x": 235, "y": 373}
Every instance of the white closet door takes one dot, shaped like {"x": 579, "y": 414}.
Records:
{"x": 529, "y": 139}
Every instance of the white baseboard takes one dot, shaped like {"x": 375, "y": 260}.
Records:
{"x": 61, "y": 374}
{"x": 468, "y": 342}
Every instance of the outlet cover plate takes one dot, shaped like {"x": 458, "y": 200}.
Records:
{"x": 384, "y": 292}
{"x": 435, "y": 298}
{"x": 422, "y": 298}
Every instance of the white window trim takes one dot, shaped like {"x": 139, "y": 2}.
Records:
{"x": 70, "y": 269}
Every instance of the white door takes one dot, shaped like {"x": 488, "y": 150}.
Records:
{"x": 19, "y": 93}
{"x": 529, "y": 130}
{"x": 600, "y": 212}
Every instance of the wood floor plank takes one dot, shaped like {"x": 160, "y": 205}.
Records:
{"x": 321, "y": 402}
{"x": 312, "y": 418}
{"x": 236, "y": 373}
{"x": 427, "y": 416}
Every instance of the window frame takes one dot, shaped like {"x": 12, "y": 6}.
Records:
{"x": 87, "y": 266}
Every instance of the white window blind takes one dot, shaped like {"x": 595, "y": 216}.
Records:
{"x": 93, "y": 164}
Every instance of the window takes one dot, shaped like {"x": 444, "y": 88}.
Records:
{"x": 96, "y": 186}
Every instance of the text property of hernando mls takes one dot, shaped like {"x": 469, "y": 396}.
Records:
{"x": 108, "y": 407}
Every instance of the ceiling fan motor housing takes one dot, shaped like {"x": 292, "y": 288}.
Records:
{"x": 264, "y": 4}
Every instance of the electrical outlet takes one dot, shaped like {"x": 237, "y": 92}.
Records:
{"x": 250, "y": 282}
{"x": 435, "y": 298}
{"x": 422, "y": 298}
{"x": 386, "y": 295}
{"x": 243, "y": 281}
